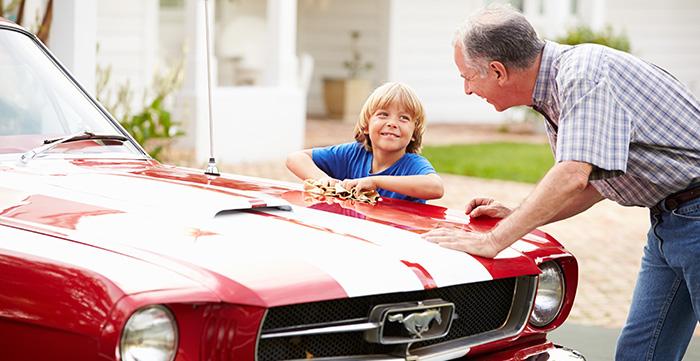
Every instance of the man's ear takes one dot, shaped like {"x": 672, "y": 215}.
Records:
{"x": 500, "y": 71}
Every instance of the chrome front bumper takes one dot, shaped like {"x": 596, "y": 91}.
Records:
{"x": 557, "y": 353}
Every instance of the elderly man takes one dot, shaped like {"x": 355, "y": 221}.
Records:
{"x": 620, "y": 128}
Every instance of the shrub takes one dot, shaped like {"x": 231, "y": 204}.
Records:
{"x": 584, "y": 34}
{"x": 356, "y": 65}
{"x": 152, "y": 126}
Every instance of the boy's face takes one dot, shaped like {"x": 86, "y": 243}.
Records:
{"x": 390, "y": 129}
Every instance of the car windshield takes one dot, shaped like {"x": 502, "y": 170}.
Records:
{"x": 39, "y": 102}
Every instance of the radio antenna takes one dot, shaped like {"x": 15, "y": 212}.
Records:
{"x": 211, "y": 167}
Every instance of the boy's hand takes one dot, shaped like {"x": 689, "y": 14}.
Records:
{"x": 361, "y": 184}
{"x": 327, "y": 181}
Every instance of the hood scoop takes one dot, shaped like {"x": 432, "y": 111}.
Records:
{"x": 149, "y": 195}
{"x": 223, "y": 207}
{"x": 263, "y": 207}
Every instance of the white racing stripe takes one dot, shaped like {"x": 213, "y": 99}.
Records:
{"x": 237, "y": 241}
{"x": 261, "y": 252}
{"x": 130, "y": 275}
{"x": 447, "y": 267}
{"x": 133, "y": 194}
{"x": 364, "y": 257}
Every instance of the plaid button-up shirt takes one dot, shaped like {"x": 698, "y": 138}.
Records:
{"x": 634, "y": 122}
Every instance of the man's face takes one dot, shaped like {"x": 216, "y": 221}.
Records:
{"x": 486, "y": 86}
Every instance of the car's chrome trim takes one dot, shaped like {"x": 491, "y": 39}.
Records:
{"x": 557, "y": 353}
{"x": 563, "y": 295}
{"x": 259, "y": 334}
{"x": 315, "y": 325}
{"x": 64, "y": 70}
{"x": 430, "y": 308}
{"x": 442, "y": 356}
{"x": 331, "y": 329}
{"x": 523, "y": 301}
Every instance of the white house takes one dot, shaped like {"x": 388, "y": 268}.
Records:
{"x": 410, "y": 41}
{"x": 263, "y": 92}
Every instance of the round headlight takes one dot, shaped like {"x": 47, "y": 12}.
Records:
{"x": 550, "y": 294}
{"x": 150, "y": 334}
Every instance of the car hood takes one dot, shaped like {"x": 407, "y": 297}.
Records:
{"x": 250, "y": 241}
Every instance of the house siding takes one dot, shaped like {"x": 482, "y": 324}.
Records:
{"x": 323, "y": 31}
{"x": 421, "y": 55}
{"x": 127, "y": 36}
{"x": 664, "y": 33}
{"x": 413, "y": 45}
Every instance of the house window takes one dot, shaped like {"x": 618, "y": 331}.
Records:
{"x": 241, "y": 31}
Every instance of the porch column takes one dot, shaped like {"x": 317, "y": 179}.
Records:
{"x": 282, "y": 30}
{"x": 195, "y": 42}
{"x": 596, "y": 14}
{"x": 192, "y": 98}
{"x": 558, "y": 14}
{"x": 73, "y": 36}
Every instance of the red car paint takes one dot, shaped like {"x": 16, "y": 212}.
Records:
{"x": 77, "y": 258}
{"x": 97, "y": 314}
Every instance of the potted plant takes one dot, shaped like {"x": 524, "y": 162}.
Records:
{"x": 344, "y": 96}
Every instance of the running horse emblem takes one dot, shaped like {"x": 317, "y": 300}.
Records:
{"x": 417, "y": 323}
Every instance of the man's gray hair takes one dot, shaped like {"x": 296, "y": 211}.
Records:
{"x": 498, "y": 33}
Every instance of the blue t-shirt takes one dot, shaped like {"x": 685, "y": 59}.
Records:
{"x": 352, "y": 161}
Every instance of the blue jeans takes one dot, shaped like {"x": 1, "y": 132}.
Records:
{"x": 666, "y": 303}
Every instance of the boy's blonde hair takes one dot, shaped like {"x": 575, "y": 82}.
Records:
{"x": 381, "y": 98}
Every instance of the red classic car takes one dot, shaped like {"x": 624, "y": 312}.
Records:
{"x": 106, "y": 254}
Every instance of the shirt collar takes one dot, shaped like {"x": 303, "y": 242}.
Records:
{"x": 547, "y": 72}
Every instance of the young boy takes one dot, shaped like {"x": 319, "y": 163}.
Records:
{"x": 385, "y": 155}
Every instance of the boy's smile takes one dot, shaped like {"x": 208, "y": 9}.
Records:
{"x": 391, "y": 129}
{"x": 390, "y": 134}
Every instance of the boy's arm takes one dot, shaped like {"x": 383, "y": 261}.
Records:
{"x": 424, "y": 186}
{"x": 302, "y": 165}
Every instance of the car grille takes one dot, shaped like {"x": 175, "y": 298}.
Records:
{"x": 480, "y": 307}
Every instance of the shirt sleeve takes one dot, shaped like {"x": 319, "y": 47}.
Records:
{"x": 333, "y": 159}
{"x": 593, "y": 128}
{"x": 419, "y": 166}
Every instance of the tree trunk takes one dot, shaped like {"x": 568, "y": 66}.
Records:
{"x": 20, "y": 12}
{"x": 43, "y": 33}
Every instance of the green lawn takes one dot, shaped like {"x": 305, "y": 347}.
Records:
{"x": 520, "y": 162}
